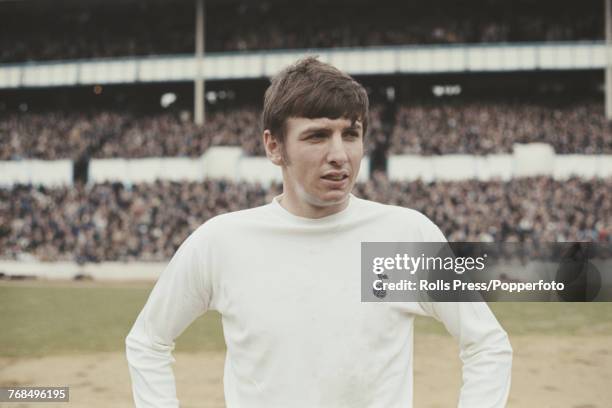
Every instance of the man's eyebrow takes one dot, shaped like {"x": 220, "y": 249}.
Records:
{"x": 324, "y": 128}
{"x": 354, "y": 126}
{"x": 313, "y": 129}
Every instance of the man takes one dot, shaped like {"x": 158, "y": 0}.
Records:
{"x": 285, "y": 277}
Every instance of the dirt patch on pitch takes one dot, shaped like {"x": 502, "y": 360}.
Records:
{"x": 568, "y": 372}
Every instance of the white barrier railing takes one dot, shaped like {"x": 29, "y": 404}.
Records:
{"x": 355, "y": 61}
{"x": 229, "y": 163}
{"x": 38, "y": 172}
{"x": 528, "y": 160}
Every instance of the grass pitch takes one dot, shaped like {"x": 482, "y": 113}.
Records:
{"x": 50, "y": 318}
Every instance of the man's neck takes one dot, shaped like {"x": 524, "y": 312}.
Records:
{"x": 304, "y": 209}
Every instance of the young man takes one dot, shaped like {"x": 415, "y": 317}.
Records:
{"x": 285, "y": 277}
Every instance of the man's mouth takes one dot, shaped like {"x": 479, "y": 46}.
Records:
{"x": 335, "y": 177}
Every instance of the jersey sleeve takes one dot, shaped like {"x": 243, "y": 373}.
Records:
{"x": 181, "y": 294}
{"x": 485, "y": 350}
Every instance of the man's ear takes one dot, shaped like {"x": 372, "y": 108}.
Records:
{"x": 273, "y": 148}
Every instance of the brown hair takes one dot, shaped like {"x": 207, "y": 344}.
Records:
{"x": 313, "y": 89}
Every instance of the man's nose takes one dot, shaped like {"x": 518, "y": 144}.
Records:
{"x": 337, "y": 150}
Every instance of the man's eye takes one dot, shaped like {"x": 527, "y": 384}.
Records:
{"x": 352, "y": 135}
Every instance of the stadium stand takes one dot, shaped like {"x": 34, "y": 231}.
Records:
{"x": 39, "y": 31}
{"x": 423, "y": 128}
{"x": 125, "y": 222}
{"x": 108, "y": 134}
{"x": 113, "y": 222}
{"x": 490, "y": 128}
{"x": 56, "y": 135}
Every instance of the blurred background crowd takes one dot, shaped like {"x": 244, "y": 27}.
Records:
{"x": 113, "y": 222}
{"x": 157, "y": 27}
{"x": 482, "y": 114}
{"x": 425, "y": 129}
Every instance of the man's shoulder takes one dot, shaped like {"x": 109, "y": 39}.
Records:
{"x": 395, "y": 211}
{"x": 235, "y": 219}
{"x": 402, "y": 219}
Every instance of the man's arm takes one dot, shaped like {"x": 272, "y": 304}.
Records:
{"x": 178, "y": 298}
{"x": 485, "y": 351}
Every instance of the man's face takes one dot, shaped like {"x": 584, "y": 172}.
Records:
{"x": 320, "y": 159}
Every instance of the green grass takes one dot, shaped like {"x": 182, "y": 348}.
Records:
{"x": 554, "y": 319}
{"x": 39, "y": 319}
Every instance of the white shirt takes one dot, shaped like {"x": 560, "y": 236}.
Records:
{"x": 297, "y": 333}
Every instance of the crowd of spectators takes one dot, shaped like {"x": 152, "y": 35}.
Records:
{"x": 539, "y": 208}
{"x": 147, "y": 222}
{"x": 56, "y": 135}
{"x": 333, "y": 24}
{"x": 38, "y": 32}
{"x": 106, "y": 134}
{"x": 425, "y": 129}
{"x": 162, "y": 135}
{"x": 44, "y": 32}
{"x": 491, "y": 128}
{"x": 113, "y": 222}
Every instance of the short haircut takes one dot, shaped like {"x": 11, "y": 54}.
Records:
{"x": 313, "y": 89}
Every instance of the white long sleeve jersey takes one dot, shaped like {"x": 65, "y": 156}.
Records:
{"x": 297, "y": 333}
